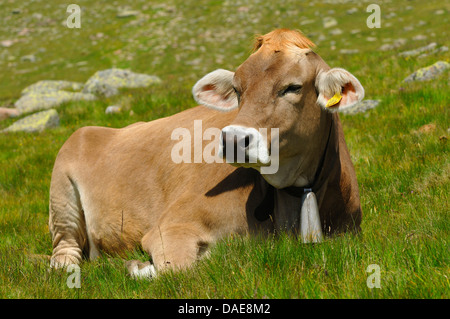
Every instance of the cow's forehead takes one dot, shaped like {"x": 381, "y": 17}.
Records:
{"x": 273, "y": 65}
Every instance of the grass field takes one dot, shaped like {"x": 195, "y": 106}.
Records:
{"x": 403, "y": 168}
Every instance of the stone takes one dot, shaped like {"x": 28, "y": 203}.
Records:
{"x": 392, "y": 46}
{"x": 113, "y": 109}
{"x": 28, "y": 58}
{"x": 36, "y": 122}
{"x": 361, "y": 107}
{"x": 329, "y": 22}
{"x": 36, "y": 101}
{"x": 50, "y": 93}
{"x": 104, "y": 89}
{"x": 438, "y": 50}
{"x": 7, "y": 43}
{"x": 348, "y": 51}
{"x": 335, "y": 32}
{"x": 6, "y": 112}
{"x": 107, "y": 82}
{"x": 427, "y": 128}
{"x": 127, "y": 13}
{"x": 428, "y": 73}
{"x": 419, "y": 37}
{"x": 417, "y": 51}
{"x": 46, "y": 86}
{"x": 307, "y": 21}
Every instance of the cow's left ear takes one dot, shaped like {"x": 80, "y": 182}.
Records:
{"x": 338, "y": 89}
{"x": 215, "y": 90}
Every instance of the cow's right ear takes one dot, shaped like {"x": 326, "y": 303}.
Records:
{"x": 215, "y": 90}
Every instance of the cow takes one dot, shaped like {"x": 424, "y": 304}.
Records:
{"x": 116, "y": 189}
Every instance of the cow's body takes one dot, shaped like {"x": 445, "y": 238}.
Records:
{"x": 113, "y": 189}
{"x": 141, "y": 191}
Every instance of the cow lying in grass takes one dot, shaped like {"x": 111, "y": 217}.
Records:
{"x": 113, "y": 189}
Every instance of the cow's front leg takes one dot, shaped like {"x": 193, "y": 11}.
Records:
{"x": 176, "y": 246}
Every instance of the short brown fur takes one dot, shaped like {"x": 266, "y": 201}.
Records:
{"x": 113, "y": 189}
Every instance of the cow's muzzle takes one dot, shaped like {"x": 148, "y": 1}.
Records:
{"x": 243, "y": 145}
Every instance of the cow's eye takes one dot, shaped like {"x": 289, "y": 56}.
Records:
{"x": 293, "y": 88}
{"x": 237, "y": 93}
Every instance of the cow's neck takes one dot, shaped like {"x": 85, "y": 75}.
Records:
{"x": 282, "y": 202}
{"x": 295, "y": 174}
{"x": 326, "y": 163}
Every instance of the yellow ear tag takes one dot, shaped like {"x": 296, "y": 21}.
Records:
{"x": 334, "y": 100}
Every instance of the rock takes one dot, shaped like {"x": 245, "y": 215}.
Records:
{"x": 391, "y": 15}
{"x": 28, "y": 58}
{"x": 113, "y": 109}
{"x": 7, "y": 43}
{"x": 36, "y": 122}
{"x": 427, "y": 128}
{"x": 307, "y": 21}
{"x": 127, "y": 13}
{"x": 428, "y": 73}
{"x": 24, "y": 32}
{"x": 392, "y": 46}
{"x": 8, "y": 112}
{"x": 32, "y": 102}
{"x": 329, "y": 22}
{"x": 348, "y": 51}
{"x": 47, "y": 86}
{"x": 243, "y": 9}
{"x": 103, "y": 89}
{"x": 441, "y": 49}
{"x": 50, "y": 93}
{"x": 417, "y": 51}
{"x": 408, "y": 28}
{"x": 361, "y": 107}
{"x": 107, "y": 82}
{"x": 419, "y": 37}
{"x": 336, "y": 31}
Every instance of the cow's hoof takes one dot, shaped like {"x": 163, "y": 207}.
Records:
{"x": 140, "y": 270}
{"x": 62, "y": 261}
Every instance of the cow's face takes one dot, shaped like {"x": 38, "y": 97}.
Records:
{"x": 283, "y": 86}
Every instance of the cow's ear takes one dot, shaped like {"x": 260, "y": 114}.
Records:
{"x": 215, "y": 90}
{"x": 338, "y": 89}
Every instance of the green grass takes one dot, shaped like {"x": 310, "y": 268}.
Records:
{"x": 403, "y": 173}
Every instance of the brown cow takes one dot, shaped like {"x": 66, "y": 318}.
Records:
{"x": 113, "y": 189}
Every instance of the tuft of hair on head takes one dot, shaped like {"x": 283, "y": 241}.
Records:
{"x": 280, "y": 39}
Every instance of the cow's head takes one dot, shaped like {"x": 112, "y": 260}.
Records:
{"x": 286, "y": 86}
